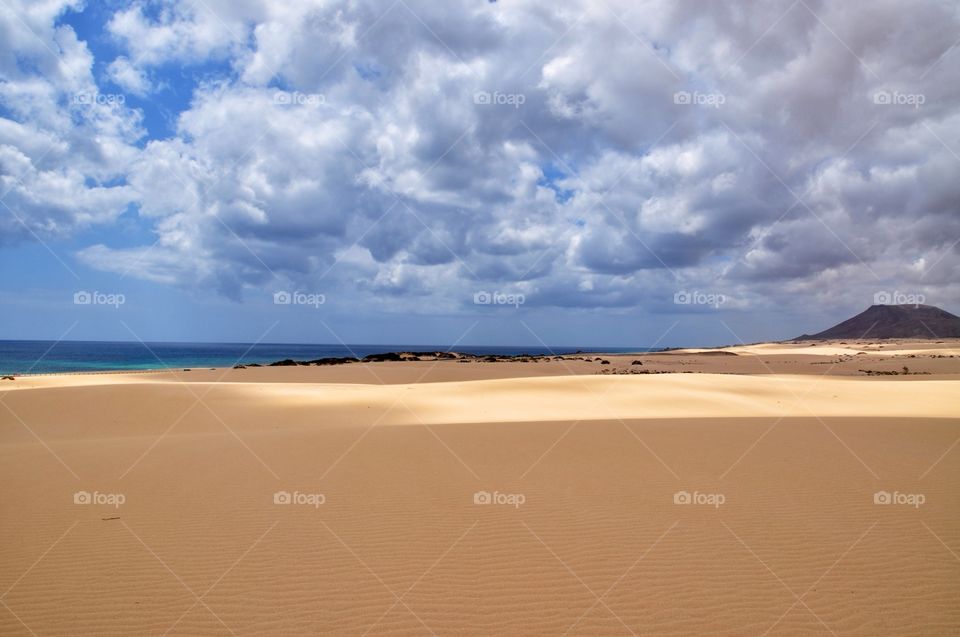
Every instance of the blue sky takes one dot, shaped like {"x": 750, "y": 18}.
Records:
{"x": 623, "y": 173}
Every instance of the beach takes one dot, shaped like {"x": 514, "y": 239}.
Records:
{"x": 769, "y": 489}
{"x": 479, "y": 318}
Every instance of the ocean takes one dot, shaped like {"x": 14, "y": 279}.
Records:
{"x": 45, "y": 357}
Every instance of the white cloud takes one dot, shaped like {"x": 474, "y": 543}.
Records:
{"x": 586, "y": 181}
{"x": 128, "y": 77}
{"x": 182, "y": 31}
{"x": 64, "y": 147}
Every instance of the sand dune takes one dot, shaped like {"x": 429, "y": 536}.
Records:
{"x": 588, "y": 531}
{"x": 833, "y": 348}
{"x": 666, "y": 396}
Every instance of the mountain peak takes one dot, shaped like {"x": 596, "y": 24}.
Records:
{"x": 893, "y": 321}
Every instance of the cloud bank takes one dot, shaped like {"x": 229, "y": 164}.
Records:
{"x": 584, "y": 154}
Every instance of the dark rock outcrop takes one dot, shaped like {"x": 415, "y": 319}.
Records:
{"x": 333, "y": 360}
{"x": 379, "y": 358}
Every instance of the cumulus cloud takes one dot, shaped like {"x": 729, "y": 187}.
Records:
{"x": 587, "y": 154}
{"x": 64, "y": 145}
{"x": 179, "y": 31}
{"x": 128, "y": 77}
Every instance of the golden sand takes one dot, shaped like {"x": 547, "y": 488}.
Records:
{"x": 488, "y": 498}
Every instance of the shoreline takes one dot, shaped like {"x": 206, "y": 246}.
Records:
{"x": 389, "y": 356}
{"x": 915, "y": 359}
{"x": 828, "y": 348}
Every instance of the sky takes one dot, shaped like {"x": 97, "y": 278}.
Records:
{"x": 596, "y": 172}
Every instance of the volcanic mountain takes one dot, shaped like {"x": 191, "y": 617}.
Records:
{"x": 893, "y": 321}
